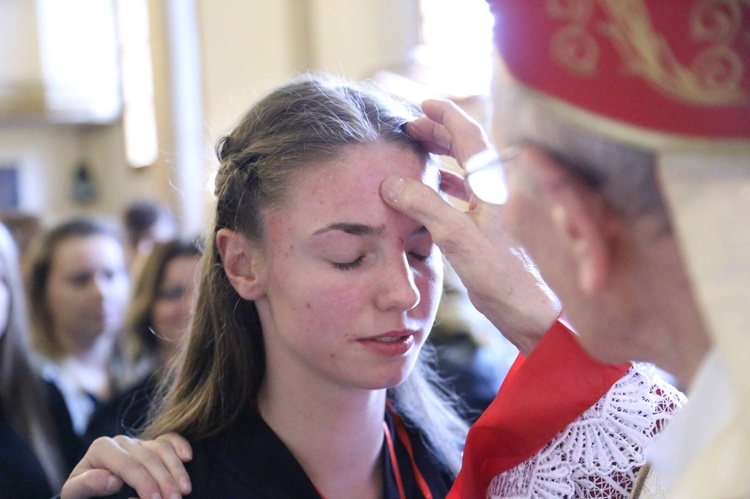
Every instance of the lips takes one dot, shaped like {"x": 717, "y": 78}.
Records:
{"x": 391, "y": 344}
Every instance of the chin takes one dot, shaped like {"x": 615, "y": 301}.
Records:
{"x": 388, "y": 379}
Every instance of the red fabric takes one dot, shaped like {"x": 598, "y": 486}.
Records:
{"x": 674, "y": 66}
{"x": 554, "y": 386}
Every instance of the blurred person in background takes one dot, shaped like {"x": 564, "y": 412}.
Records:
{"x": 38, "y": 447}
{"x": 78, "y": 288}
{"x": 146, "y": 222}
{"x": 24, "y": 227}
{"x": 161, "y": 307}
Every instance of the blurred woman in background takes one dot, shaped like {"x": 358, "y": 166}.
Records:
{"x": 78, "y": 292}
{"x": 158, "y": 317}
{"x": 34, "y": 425}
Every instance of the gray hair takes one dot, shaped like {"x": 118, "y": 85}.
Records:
{"x": 624, "y": 174}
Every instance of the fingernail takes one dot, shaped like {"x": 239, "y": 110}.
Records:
{"x": 185, "y": 484}
{"x": 390, "y": 188}
{"x": 175, "y": 496}
{"x": 155, "y": 495}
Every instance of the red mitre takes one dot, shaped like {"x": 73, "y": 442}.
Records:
{"x": 679, "y": 67}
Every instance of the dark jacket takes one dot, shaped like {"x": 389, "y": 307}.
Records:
{"x": 21, "y": 475}
{"x": 248, "y": 460}
{"x": 125, "y": 414}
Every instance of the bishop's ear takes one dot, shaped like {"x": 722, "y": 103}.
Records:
{"x": 582, "y": 222}
{"x": 242, "y": 263}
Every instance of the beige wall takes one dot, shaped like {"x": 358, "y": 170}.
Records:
{"x": 245, "y": 47}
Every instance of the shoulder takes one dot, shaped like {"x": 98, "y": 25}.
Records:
{"x": 21, "y": 475}
{"x": 247, "y": 459}
{"x": 124, "y": 414}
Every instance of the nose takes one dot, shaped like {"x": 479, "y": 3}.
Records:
{"x": 396, "y": 289}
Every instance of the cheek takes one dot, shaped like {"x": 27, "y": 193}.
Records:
{"x": 330, "y": 304}
{"x": 518, "y": 215}
{"x": 60, "y": 297}
{"x": 160, "y": 313}
{"x": 430, "y": 285}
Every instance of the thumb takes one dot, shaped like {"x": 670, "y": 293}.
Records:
{"x": 420, "y": 202}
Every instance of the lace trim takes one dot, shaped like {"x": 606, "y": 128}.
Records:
{"x": 598, "y": 454}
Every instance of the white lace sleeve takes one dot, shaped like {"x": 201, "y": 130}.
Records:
{"x": 598, "y": 454}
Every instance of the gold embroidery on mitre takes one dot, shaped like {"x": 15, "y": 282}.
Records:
{"x": 573, "y": 46}
{"x": 713, "y": 78}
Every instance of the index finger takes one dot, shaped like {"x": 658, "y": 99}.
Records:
{"x": 106, "y": 454}
{"x": 466, "y": 136}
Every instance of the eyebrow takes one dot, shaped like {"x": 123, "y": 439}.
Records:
{"x": 360, "y": 229}
{"x": 351, "y": 228}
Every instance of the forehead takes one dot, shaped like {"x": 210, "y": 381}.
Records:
{"x": 347, "y": 189}
{"x": 181, "y": 265}
{"x": 353, "y": 179}
{"x": 82, "y": 250}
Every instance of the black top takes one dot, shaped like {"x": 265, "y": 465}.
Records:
{"x": 125, "y": 414}
{"x": 248, "y": 460}
{"x": 21, "y": 475}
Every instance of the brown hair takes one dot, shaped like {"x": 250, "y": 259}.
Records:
{"x": 310, "y": 119}
{"x": 22, "y": 392}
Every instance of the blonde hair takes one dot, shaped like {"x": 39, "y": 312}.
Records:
{"x": 307, "y": 120}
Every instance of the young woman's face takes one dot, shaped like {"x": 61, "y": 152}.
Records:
{"x": 87, "y": 289}
{"x": 175, "y": 299}
{"x": 351, "y": 285}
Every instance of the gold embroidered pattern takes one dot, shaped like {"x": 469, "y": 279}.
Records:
{"x": 573, "y": 46}
{"x": 713, "y": 77}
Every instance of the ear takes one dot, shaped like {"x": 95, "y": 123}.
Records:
{"x": 242, "y": 263}
{"x": 581, "y": 220}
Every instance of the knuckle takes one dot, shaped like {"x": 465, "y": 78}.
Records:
{"x": 121, "y": 440}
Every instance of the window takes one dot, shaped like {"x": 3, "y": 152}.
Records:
{"x": 139, "y": 114}
{"x": 456, "y": 43}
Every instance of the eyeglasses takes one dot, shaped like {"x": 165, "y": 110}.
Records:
{"x": 485, "y": 174}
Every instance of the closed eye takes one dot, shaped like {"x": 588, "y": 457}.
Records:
{"x": 418, "y": 256}
{"x": 349, "y": 265}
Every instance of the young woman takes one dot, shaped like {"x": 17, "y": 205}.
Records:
{"x": 78, "y": 292}
{"x": 335, "y": 290}
{"x": 34, "y": 425}
{"x": 302, "y": 375}
{"x": 158, "y": 317}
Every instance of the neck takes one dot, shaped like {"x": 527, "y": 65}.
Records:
{"x": 334, "y": 432}
{"x": 668, "y": 329}
{"x": 676, "y": 341}
{"x": 646, "y": 311}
